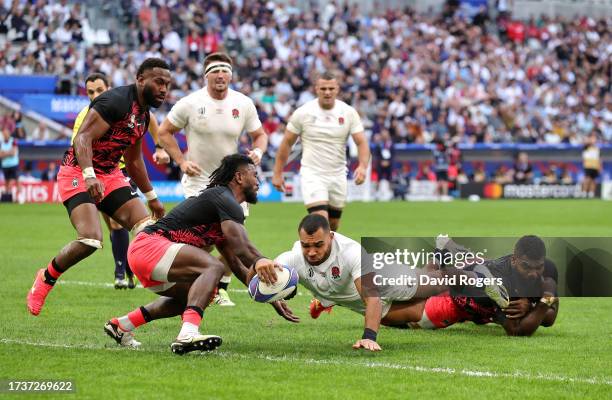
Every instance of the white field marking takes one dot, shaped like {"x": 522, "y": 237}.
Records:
{"x": 380, "y": 365}
{"x": 110, "y": 285}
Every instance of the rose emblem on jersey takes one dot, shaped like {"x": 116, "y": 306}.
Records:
{"x": 341, "y": 120}
{"x": 335, "y": 272}
{"x": 235, "y": 113}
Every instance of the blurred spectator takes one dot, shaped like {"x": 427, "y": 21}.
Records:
{"x": 19, "y": 132}
{"x": 425, "y": 173}
{"x": 522, "y": 170}
{"x": 566, "y": 177}
{"x": 441, "y": 156}
{"x": 503, "y": 175}
{"x": 479, "y": 174}
{"x": 9, "y": 154}
{"x": 41, "y": 132}
{"x": 591, "y": 162}
{"x": 550, "y": 175}
{"x": 50, "y": 173}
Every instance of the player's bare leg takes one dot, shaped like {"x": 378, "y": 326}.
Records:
{"x": 404, "y": 314}
{"x": 84, "y": 218}
{"x": 203, "y": 271}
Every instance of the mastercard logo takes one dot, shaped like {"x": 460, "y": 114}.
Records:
{"x": 493, "y": 191}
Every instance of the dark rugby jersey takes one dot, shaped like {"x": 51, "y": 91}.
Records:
{"x": 128, "y": 122}
{"x": 474, "y": 300}
{"x": 197, "y": 220}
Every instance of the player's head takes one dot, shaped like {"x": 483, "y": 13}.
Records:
{"x": 96, "y": 84}
{"x": 218, "y": 71}
{"x": 327, "y": 89}
{"x": 237, "y": 169}
{"x": 315, "y": 238}
{"x": 529, "y": 256}
{"x": 153, "y": 81}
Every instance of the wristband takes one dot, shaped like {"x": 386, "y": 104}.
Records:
{"x": 150, "y": 195}
{"x": 258, "y": 151}
{"x": 88, "y": 173}
{"x": 369, "y": 334}
{"x": 548, "y": 300}
{"x": 255, "y": 262}
{"x": 158, "y": 146}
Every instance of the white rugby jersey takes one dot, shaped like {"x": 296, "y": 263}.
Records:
{"x": 324, "y": 134}
{"x": 332, "y": 282}
{"x": 213, "y": 126}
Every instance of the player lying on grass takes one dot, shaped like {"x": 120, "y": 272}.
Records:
{"x": 90, "y": 180}
{"x": 329, "y": 265}
{"x": 168, "y": 257}
{"x": 529, "y": 277}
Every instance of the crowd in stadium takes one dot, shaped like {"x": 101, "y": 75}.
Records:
{"x": 413, "y": 78}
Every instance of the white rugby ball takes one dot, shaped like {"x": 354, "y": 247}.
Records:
{"x": 286, "y": 282}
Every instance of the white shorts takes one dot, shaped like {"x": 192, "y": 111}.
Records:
{"x": 318, "y": 188}
{"x": 193, "y": 185}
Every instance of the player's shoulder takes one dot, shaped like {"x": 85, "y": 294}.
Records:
{"x": 120, "y": 98}
{"x": 240, "y": 98}
{"x": 347, "y": 246}
{"x": 194, "y": 97}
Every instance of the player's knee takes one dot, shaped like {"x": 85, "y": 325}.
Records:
{"x": 140, "y": 225}
{"x": 92, "y": 243}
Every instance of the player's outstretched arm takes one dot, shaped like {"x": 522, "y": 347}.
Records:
{"x": 138, "y": 172}
{"x": 167, "y": 140}
{"x": 282, "y": 155}
{"x": 527, "y": 325}
{"x": 373, "y": 315}
{"x": 363, "y": 156}
{"x": 160, "y": 156}
{"x": 92, "y": 128}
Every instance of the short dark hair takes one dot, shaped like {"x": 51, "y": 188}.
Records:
{"x": 151, "y": 63}
{"x": 218, "y": 56}
{"x": 327, "y": 76}
{"x": 223, "y": 175}
{"x": 313, "y": 222}
{"x": 95, "y": 76}
{"x": 531, "y": 246}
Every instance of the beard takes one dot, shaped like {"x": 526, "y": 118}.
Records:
{"x": 250, "y": 196}
{"x": 149, "y": 97}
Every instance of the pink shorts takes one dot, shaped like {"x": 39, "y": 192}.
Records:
{"x": 442, "y": 312}
{"x": 70, "y": 181}
{"x": 150, "y": 257}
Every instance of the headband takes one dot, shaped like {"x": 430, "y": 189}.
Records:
{"x": 218, "y": 65}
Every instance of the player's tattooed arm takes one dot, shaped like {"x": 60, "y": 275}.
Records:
{"x": 234, "y": 263}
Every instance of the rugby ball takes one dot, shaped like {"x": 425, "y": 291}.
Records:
{"x": 286, "y": 282}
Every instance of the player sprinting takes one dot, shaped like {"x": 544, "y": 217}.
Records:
{"x": 531, "y": 281}
{"x": 90, "y": 180}
{"x": 329, "y": 265}
{"x": 324, "y": 125}
{"x": 95, "y": 85}
{"x": 213, "y": 119}
{"x": 168, "y": 257}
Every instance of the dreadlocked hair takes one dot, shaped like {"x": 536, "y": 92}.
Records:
{"x": 223, "y": 175}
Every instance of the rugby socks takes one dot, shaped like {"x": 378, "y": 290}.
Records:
{"x": 133, "y": 320}
{"x": 224, "y": 282}
{"x": 120, "y": 240}
{"x": 52, "y": 273}
{"x": 192, "y": 317}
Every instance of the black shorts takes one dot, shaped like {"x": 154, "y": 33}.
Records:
{"x": 442, "y": 175}
{"x": 10, "y": 173}
{"x": 591, "y": 173}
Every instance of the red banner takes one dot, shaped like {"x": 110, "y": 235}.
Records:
{"x": 36, "y": 192}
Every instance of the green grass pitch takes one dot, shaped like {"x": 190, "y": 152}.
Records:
{"x": 264, "y": 357}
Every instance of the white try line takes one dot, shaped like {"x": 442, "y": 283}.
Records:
{"x": 372, "y": 364}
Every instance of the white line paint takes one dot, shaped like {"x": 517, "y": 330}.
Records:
{"x": 378, "y": 365}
